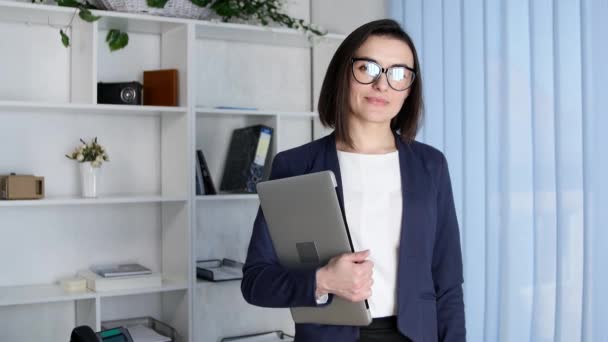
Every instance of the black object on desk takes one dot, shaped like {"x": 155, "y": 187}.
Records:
{"x": 84, "y": 333}
{"x": 219, "y": 270}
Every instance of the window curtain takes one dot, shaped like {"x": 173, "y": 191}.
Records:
{"x": 515, "y": 96}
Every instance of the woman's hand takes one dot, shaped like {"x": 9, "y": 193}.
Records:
{"x": 348, "y": 275}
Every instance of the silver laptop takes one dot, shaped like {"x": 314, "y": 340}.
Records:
{"x": 307, "y": 229}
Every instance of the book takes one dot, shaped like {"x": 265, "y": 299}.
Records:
{"x": 207, "y": 185}
{"x": 160, "y": 87}
{"x": 98, "y": 283}
{"x": 200, "y": 185}
{"x": 120, "y": 270}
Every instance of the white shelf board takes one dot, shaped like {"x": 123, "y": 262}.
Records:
{"x": 168, "y": 285}
{"x": 137, "y": 23}
{"x": 253, "y": 112}
{"x": 83, "y": 109}
{"x": 207, "y": 283}
{"x": 34, "y": 294}
{"x": 228, "y": 197}
{"x": 251, "y": 34}
{"x": 43, "y": 14}
{"x": 28, "y": 13}
{"x": 110, "y": 199}
{"x": 38, "y": 294}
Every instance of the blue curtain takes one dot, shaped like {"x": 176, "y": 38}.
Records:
{"x": 515, "y": 97}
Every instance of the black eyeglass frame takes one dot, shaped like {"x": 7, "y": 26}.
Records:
{"x": 382, "y": 71}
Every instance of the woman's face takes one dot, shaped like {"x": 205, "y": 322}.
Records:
{"x": 377, "y": 102}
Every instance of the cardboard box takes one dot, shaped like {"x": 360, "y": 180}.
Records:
{"x": 16, "y": 187}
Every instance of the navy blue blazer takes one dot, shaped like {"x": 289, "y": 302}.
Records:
{"x": 430, "y": 304}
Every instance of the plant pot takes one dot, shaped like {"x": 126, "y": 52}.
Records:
{"x": 89, "y": 179}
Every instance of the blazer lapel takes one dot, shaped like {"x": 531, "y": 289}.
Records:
{"x": 331, "y": 163}
{"x": 415, "y": 187}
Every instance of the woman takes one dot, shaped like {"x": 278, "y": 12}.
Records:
{"x": 397, "y": 199}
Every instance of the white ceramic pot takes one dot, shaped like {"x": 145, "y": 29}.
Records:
{"x": 89, "y": 179}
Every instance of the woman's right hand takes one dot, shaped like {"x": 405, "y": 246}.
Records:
{"x": 348, "y": 275}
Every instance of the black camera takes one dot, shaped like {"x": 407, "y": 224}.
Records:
{"x": 125, "y": 93}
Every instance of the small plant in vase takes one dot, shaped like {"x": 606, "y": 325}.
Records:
{"x": 90, "y": 157}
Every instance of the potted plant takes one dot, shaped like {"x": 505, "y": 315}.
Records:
{"x": 264, "y": 12}
{"x": 90, "y": 156}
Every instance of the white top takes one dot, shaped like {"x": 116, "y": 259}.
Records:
{"x": 371, "y": 186}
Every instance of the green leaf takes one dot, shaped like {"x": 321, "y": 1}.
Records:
{"x": 112, "y": 35}
{"x": 117, "y": 39}
{"x": 201, "y": 3}
{"x": 68, "y": 3}
{"x": 65, "y": 40}
{"x": 87, "y": 16}
{"x": 157, "y": 3}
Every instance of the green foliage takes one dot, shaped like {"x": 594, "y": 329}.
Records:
{"x": 87, "y": 16}
{"x": 89, "y": 152}
{"x": 264, "y": 11}
{"x": 117, "y": 40}
{"x": 65, "y": 40}
{"x": 157, "y": 3}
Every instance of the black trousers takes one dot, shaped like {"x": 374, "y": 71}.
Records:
{"x": 382, "y": 329}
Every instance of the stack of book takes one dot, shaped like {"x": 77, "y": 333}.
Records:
{"x": 120, "y": 277}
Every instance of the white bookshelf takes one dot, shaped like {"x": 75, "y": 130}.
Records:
{"x": 87, "y": 109}
{"x": 75, "y": 201}
{"x": 40, "y": 294}
{"x": 228, "y": 197}
{"x": 147, "y": 210}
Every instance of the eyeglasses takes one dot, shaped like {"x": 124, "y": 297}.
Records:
{"x": 399, "y": 77}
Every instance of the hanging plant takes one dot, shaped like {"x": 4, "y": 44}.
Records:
{"x": 116, "y": 39}
{"x": 263, "y": 12}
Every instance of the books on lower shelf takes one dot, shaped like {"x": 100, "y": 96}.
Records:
{"x": 219, "y": 270}
{"x": 96, "y": 282}
{"x": 120, "y": 270}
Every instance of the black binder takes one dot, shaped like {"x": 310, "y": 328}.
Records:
{"x": 205, "y": 183}
{"x": 247, "y": 159}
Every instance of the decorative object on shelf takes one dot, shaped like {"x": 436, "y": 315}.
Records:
{"x": 263, "y": 12}
{"x": 20, "y": 187}
{"x": 246, "y": 159}
{"x": 74, "y": 284}
{"x": 124, "y": 93}
{"x": 161, "y": 87}
{"x": 140, "y": 326}
{"x": 90, "y": 156}
{"x": 169, "y": 8}
{"x": 219, "y": 270}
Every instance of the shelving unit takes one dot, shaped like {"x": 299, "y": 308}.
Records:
{"x": 147, "y": 210}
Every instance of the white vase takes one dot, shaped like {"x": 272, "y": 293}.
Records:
{"x": 89, "y": 179}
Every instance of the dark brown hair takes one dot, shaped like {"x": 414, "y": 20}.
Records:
{"x": 334, "y": 102}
